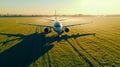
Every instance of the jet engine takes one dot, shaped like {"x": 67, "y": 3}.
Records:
{"x": 66, "y": 29}
{"x": 46, "y": 29}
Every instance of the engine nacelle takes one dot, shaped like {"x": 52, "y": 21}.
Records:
{"x": 46, "y": 29}
{"x": 67, "y": 29}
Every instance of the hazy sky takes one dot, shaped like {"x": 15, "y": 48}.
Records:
{"x": 61, "y": 6}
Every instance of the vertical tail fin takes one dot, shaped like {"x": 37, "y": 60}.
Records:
{"x": 55, "y": 16}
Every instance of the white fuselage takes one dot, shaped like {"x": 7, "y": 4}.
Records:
{"x": 58, "y": 27}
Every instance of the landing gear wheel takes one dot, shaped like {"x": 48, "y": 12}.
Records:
{"x": 59, "y": 35}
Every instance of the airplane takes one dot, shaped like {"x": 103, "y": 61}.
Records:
{"x": 57, "y": 26}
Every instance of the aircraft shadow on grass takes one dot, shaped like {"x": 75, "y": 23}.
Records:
{"x": 30, "y": 48}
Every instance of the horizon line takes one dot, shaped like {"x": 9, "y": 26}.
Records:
{"x": 58, "y": 14}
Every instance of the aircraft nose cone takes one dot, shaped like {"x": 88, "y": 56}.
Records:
{"x": 57, "y": 29}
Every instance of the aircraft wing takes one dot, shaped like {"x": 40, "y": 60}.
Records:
{"x": 37, "y": 25}
{"x": 76, "y": 24}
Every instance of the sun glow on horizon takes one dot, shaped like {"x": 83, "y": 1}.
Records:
{"x": 91, "y": 7}
{"x": 98, "y": 7}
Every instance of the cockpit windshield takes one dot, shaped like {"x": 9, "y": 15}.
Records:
{"x": 57, "y": 25}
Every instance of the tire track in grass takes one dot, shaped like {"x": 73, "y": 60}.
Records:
{"x": 48, "y": 42}
{"x": 89, "y": 54}
{"x": 107, "y": 50}
{"x": 110, "y": 44}
{"x": 55, "y": 62}
{"x": 49, "y": 60}
{"x": 110, "y": 50}
{"x": 110, "y": 39}
{"x": 108, "y": 35}
{"x": 101, "y": 48}
{"x": 81, "y": 55}
{"x": 43, "y": 61}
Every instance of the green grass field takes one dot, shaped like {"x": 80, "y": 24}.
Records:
{"x": 29, "y": 46}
